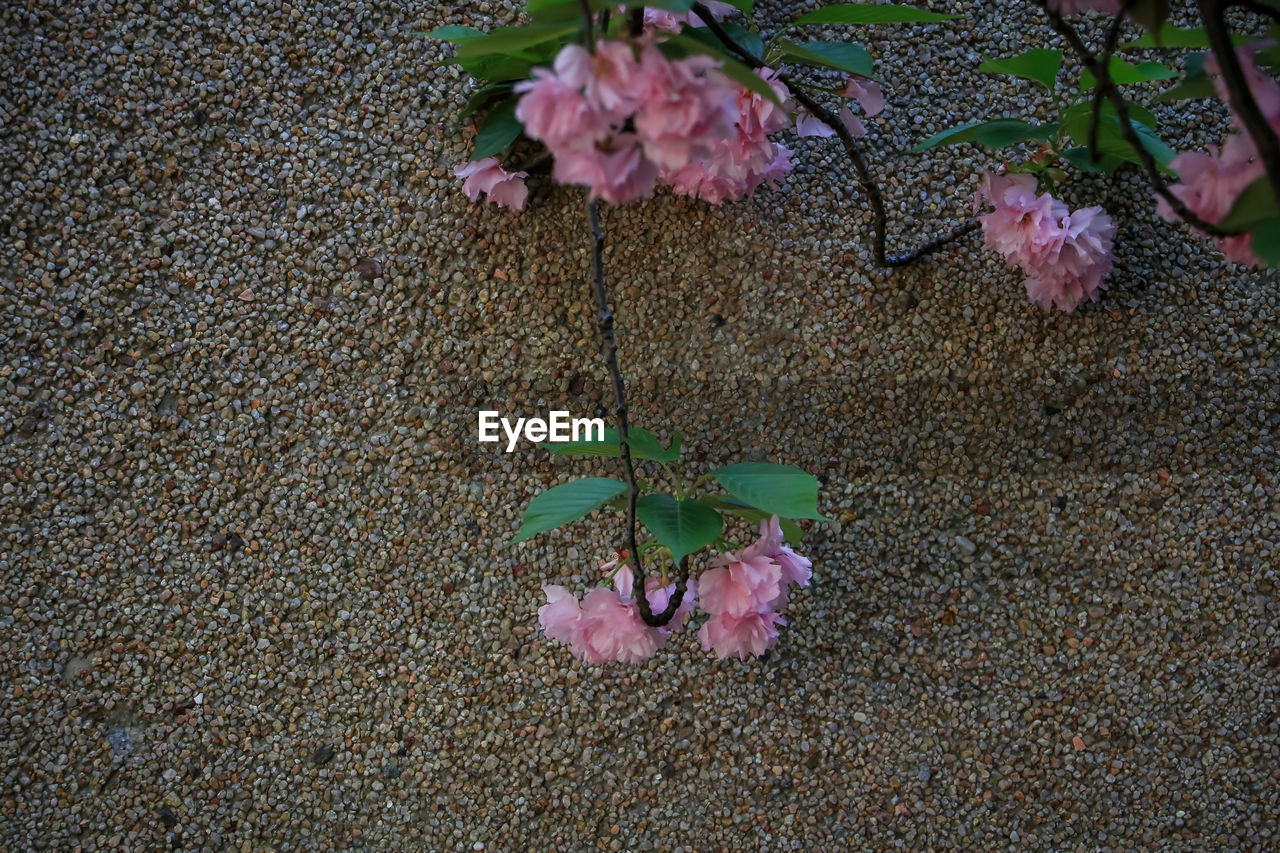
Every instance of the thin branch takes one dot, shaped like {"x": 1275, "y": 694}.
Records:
{"x": 588, "y": 33}
{"x": 635, "y": 22}
{"x": 1113, "y": 36}
{"x": 869, "y": 186}
{"x": 639, "y": 590}
{"x": 1242, "y": 100}
{"x": 1090, "y": 61}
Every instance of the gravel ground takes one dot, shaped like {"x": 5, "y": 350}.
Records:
{"x": 252, "y": 595}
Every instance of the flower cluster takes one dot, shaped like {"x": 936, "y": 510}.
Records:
{"x": 1209, "y": 184}
{"x": 741, "y": 592}
{"x": 625, "y": 117}
{"x": 1065, "y": 255}
{"x": 607, "y": 625}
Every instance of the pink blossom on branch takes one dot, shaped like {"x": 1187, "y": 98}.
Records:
{"x": 487, "y": 177}
{"x": 742, "y": 592}
{"x": 1066, "y": 256}
{"x": 1209, "y": 185}
{"x": 607, "y": 625}
{"x": 867, "y": 93}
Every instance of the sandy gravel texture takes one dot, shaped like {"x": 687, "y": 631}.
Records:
{"x": 252, "y": 595}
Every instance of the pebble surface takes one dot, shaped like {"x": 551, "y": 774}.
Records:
{"x": 252, "y": 594}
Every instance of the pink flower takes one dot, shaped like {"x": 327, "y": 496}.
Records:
{"x": 1066, "y": 8}
{"x": 614, "y": 81}
{"x": 658, "y": 19}
{"x": 1066, "y": 256}
{"x": 553, "y": 108}
{"x": 560, "y": 617}
{"x": 487, "y": 177}
{"x": 683, "y": 109}
{"x": 795, "y": 569}
{"x": 852, "y": 123}
{"x": 867, "y": 93}
{"x": 1209, "y": 185}
{"x": 616, "y": 176}
{"x": 751, "y": 634}
{"x": 1263, "y": 87}
{"x": 808, "y": 124}
{"x": 607, "y": 626}
{"x": 739, "y": 584}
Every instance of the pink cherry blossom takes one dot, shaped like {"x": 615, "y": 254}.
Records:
{"x": 659, "y": 19}
{"x": 1209, "y": 185}
{"x": 1066, "y": 256}
{"x": 739, "y": 584}
{"x": 553, "y": 107}
{"x": 617, "y": 176}
{"x": 683, "y": 109}
{"x": 867, "y": 93}
{"x": 560, "y": 617}
{"x": 487, "y": 177}
{"x": 808, "y": 124}
{"x": 750, "y": 634}
{"x": 1263, "y": 87}
{"x": 607, "y": 625}
{"x": 852, "y": 123}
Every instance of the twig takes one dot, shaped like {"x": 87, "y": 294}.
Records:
{"x": 1242, "y": 100}
{"x": 588, "y": 33}
{"x": 869, "y": 186}
{"x": 635, "y": 22}
{"x": 1090, "y": 61}
{"x": 639, "y": 591}
{"x": 1113, "y": 36}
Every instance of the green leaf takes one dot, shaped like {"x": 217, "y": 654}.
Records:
{"x": 1255, "y": 205}
{"x": 781, "y": 490}
{"x": 1004, "y": 132}
{"x": 745, "y": 37}
{"x": 1079, "y": 157}
{"x": 743, "y": 6}
{"x": 683, "y": 526}
{"x": 841, "y": 56}
{"x": 1150, "y": 14}
{"x": 858, "y": 13}
{"x": 642, "y": 443}
{"x": 498, "y": 130}
{"x": 1192, "y": 86}
{"x": 1123, "y": 73}
{"x": 566, "y": 503}
{"x": 794, "y": 535}
{"x": 1111, "y": 141}
{"x": 516, "y": 40}
{"x": 483, "y": 96}
{"x": 1266, "y": 241}
{"x": 1169, "y": 36}
{"x": 454, "y": 33}
{"x": 732, "y": 67}
{"x": 996, "y": 133}
{"x": 1038, "y": 65}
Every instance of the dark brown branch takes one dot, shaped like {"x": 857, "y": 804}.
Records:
{"x": 1099, "y": 94}
{"x": 639, "y": 591}
{"x": 1242, "y": 100}
{"x": 635, "y": 22}
{"x": 1100, "y": 74}
{"x": 869, "y": 186}
{"x": 588, "y": 32}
